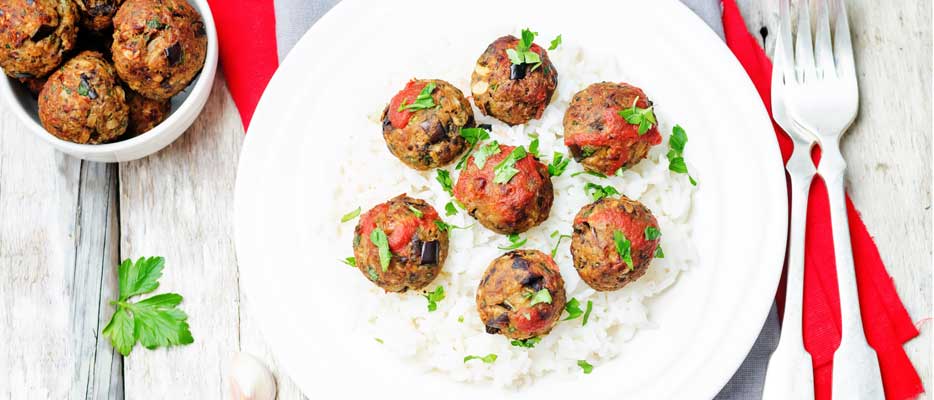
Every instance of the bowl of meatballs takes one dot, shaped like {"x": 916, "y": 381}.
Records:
{"x": 107, "y": 80}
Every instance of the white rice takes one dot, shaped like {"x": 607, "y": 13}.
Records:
{"x": 438, "y": 341}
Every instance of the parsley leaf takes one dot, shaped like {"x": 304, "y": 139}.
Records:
{"x": 541, "y": 296}
{"x": 487, "y": 359}
{"x": 351, "y": 261}
{"x": 515, "y": 240}
{"x": 676, "y": 152}
{"x": 351, "y": 215}
{"x": 523, "y": 53}
{"x": 444, "y": 226}
{"x": 587, "y": 313}
{"x": 643, "y": 117}
{"x": 591, "y": 173}
{"x": 472, "y": 136}
{"x": 485, "y": 151}
{"x": 585, "y": 366}
{"x": 444, "y": 178}
{"x": 558, "y": 164}
{"x": 434, "y": 298}
{"x": 155, "y": 24}
{"x": 506, "y": 169}
{"x": 84, "y": 88}
{"x": 555, "y": 43}
{"x": 597, "y": 192}
{"x": 652, "y": 233}
{"x": 153, "y": 322}
{"x": 533, "y": 147}
{"x": 378, "y": 340}
{"x": 527, "y": 343}
{"x": 659, "y": 253}
{"x": 418, "y": 213}
{"x": 573, "y": 308}
{"x": 449, "y": 209}
{"x": 378, "y": 237}
{"x": 560, "y": 237}
{"x": 623, "y": 247}
{"x": 423, "y": 101}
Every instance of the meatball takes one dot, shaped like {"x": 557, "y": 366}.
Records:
{"x": 521, "y": 295}
{"x": 511, "y": 93}
{"x": 418, "y": 246}
{"x": 35, "y": 35}
{"x": 511, "y": 206}
{"x": 426, "y": 136}
{"x": 605, "y": 229}
{"x": 145, "y": 114}
{"x": 159, "y": 46}
{"x": 598, "y": 136}
{"x": 83, "y": 102}
{"x": 97, "y": 14}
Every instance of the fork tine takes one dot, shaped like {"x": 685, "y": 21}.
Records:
{"x": 822, "y": 50}
{"x": 804, "y": 51}
{"x": 843, "y": 47}
{"x": 783, "y": 58}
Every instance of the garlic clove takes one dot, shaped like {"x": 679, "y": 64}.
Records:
{"x": 250, "y": 379}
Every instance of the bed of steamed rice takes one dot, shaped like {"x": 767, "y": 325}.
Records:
{"x": 439, "y": 340}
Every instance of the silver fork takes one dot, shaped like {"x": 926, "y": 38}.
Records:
{"x": 823, "y": 98}
{"x": 790, "y": 374}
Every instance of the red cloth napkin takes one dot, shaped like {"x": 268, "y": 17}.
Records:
{"x": 885, "y": 319}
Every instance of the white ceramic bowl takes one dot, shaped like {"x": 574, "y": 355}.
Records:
{"x": 186, "y": 106}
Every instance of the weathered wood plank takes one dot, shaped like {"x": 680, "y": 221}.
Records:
{"x": 888, "y": 149}
{"x": 178, "y": 204}
{"x": 38, "y": 210}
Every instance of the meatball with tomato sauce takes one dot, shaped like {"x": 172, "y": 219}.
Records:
{"x": 599, "y": 137}
{"x": 508, "y": 191}
{"x": 406, "y": 228}
{"x": 613, "y": 243}
{"x": 508, "y": 92}
{"x": 521, "y": 295}
{"x": 422, "y": 123}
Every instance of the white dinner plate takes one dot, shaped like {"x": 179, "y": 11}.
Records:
{"x": 705, "y": 323}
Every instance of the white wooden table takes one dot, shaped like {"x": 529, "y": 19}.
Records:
{"x": 65, "y": 223}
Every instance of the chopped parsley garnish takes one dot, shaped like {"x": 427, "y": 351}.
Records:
{"x": 541, "y": 296}
{"x": 643, "y": 117}
{"x": 523, "y": 53}
{"x": 351, "y": 261}
{"x": 371, "y": 273}
{"x": 652, "y": 233}
{"x": 444, "y": 178}
{"x": 84, "y": 88}
{"x": 418, "y": 213}
{"x": 558, "y": 164}
{"x": 573, "y": 308}
{"x": 155, "y": 24}
{"x": 585, "y": 366}
{"x": 619, "y": 172}
{"x": 472, "y": 136}
{"x": 554, "y": 250}
{"x": 533, "y": 147}
{"x": 351, "y": 215}
{"x": 449, "y": 209}
{"x": 527, "y": 343}
{"x": 378, "y": 237}
{"x": 515, "y": 240}
{"x": 423, "y": 101}
{"x": 444, "y": 226}
{"x": 153, "y": 322}
{"x": 659, "y": 253}
{"x": 485, "y": 151}
{"x": 587, "y": 313}
{"x": 506, "y": 169}
{"x": 378, "y": 340}
{"x": 623, "y": 247}
{"x": 676, "y": 143}
{"x": 487, "y": 359}
{"x": 591, "y": 173}
{"x": 597, "y": 192}
{"x": 460, "y": 319}
{"x": 434, "y": 298}
{"x": 555, "y": 43}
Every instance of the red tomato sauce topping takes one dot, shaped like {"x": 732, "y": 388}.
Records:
{"x": 407, "y": 95}
{"x": 505, "y": 199}
{"x": 616, "y": 219}
{"x": 618, "y": 137}
{"x": 399, "y": 230}
{"x": 534, "y": 323}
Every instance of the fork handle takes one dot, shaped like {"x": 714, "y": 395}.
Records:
{"x": 790, "y": 374}
{"x": 856, "y": 372}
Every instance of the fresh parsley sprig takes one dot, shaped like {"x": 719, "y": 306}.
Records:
{"x": 591, "y": 173}
{"x": 558, "y": 164}
{"x": 515, "y": 242}
{"x": 560, "y": 236}
{"x": 379, "y": 238}
{"x": 506, "y": 169}
{"x": 676, "y": 143}
{"x": 423, "y": 101}
{"x": 523, "y": 53}
{"x": 597, "y": 192}
{"x": 486, "y": 151}
{"x": 153, "y": 322}
{"x": 533, "y": 147}
{"x": 444, "y": 178}
{"x": 351, "y": 215}
{"x": 555, "y": 43}
{"x": 541, "y": 296}
{"x": 574, "y": 310}
{"x": 623, "y": 247}
{"x": 487, "y": 359}
{"x": 652, "y": 233}
{"x": 585, "y": 366}
{"x": 450, "y": 209}
{"x": 643, "y": 117}
{"x": 351, "y": 261}
{"x": 434, "y": 297}
{"x": 472, "y": 136}
{"x": 445, "y": 227}
{"x": 418, "y": 213}
{"x": 526, "y": 343}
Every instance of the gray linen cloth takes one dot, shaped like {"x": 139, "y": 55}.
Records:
{"x": 294, "y": 17}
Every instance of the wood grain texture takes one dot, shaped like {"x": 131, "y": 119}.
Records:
{"x": 888, "y": 149}
{"x": 177, "y": 204}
